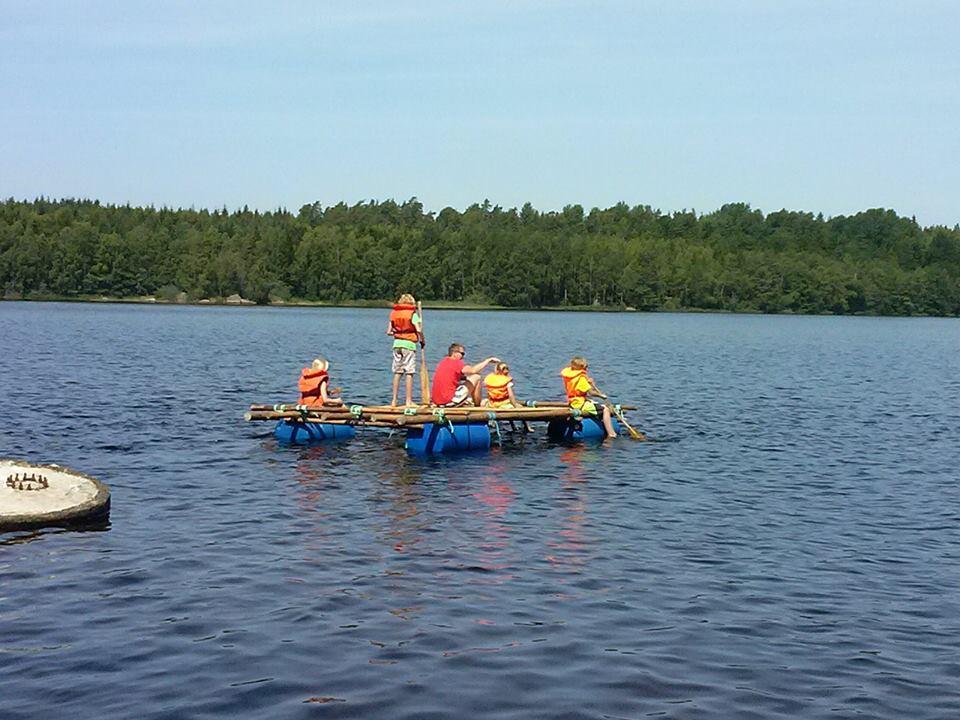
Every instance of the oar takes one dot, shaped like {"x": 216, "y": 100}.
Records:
{"x": 424, "y": 374}
{"x": 635, "y": 434}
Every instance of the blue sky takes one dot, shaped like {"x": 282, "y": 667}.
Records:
{"x": 830, "y": 107}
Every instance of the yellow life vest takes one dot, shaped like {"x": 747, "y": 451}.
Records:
{"x": 575, "y": 388}
{"x": 497, "y": 386}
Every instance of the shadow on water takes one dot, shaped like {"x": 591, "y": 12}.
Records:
{"x": 18, "y": 537}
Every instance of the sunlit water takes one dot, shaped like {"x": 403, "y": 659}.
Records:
{"x": 789, "y": 548}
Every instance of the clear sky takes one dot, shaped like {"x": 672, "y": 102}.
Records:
{"x": 830, "y": 106}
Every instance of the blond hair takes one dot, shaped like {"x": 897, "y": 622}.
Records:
{"x": 320, "y": 363}
{"x": 502, "y": 368}
{"x": 406, "y": 299}
{"x": 578, "y": 362}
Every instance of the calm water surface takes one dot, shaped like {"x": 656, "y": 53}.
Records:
{"x": 790, "y": 548}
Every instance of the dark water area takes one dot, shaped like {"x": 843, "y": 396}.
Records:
{"x": 789, "y": 548}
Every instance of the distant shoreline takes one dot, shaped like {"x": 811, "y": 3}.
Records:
{"x": 429, "y": 305}
{"x": 375, "y": 304}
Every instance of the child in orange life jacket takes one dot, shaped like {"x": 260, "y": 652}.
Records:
{"x": 499, "y": 386}
{"x": 405, "y": 327}
{"x": 579, "y": 386}
{"x": 314, "y": 383}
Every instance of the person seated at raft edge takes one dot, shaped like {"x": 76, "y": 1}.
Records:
{"x": 455, "y": 382}
{"x": 314, "y": 383}
{"x": 499, "y": 387}
{"x": 579, "y": 387}
{"x": 407, "y": 331}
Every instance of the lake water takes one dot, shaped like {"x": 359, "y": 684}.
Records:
{"x": 790, "y": 547}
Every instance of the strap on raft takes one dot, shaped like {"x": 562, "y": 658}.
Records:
{"x": 442, "y": 418}
{"x": 492, "y": 416}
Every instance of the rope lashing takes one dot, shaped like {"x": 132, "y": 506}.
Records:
{"x": 410, "y": 411}
{"x": 492, "y": 416}
{"x": 441, "y": 416}
{"x": 576, "y": 413}
{"x": 356, "y": 410}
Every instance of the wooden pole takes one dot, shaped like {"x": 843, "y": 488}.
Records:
{"x": 424, "y": 373}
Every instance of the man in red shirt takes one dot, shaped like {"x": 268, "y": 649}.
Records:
{"x": 455, "y": 382}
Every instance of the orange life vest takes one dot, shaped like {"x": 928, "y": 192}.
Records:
{"x": 570, "y": 376}
{"x": 401, "y": 323}
{"x": 497, "y": 387}
{"x": 309, "y": 386}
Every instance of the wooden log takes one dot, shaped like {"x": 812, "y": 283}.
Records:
{"x": 561, "y": 403}
{"x": 260, "y": 407}
{"x": 460, "y": 410}
{"x": 353, "y": 423}
{"x": 479, "y": 415}
{"x": 292, "y": 415}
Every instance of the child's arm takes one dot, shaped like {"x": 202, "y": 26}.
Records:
{"x": 325, "y": 397}
{"x": 593, "y": 390}
{"x": 418, "y": 326}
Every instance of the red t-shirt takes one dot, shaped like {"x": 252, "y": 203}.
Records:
{"x": 445, "y": 380}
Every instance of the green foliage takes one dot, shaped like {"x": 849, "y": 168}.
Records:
{"x": 734, "y": 259}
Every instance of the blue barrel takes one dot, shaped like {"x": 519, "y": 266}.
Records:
{"x": 587, "y": 428}
{"x": 294, "y": 432}
{"x": 433, "y": 439}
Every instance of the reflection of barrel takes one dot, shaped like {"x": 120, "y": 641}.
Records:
{"x": 295, "y": 432}
{"x": 432, "y": 439}
{"x": 587, "y": 428}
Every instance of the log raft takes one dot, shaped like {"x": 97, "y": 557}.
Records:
{"x": 429, "y": 430}
{"x": 412, "y": 416}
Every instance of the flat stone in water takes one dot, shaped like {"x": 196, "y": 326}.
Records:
{"x": 34, "y": 495}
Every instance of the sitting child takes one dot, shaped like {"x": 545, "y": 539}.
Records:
{"x": 579, "y": 387}
{"x": 314, "y": 384}
{"x": 499, "y": 386}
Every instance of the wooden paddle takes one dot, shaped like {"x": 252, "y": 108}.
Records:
{"x": 635, "y": 434}
{"x": 424, "y": 374}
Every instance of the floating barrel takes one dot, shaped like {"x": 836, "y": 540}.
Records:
{"x": 295, "y": 432}
{"x": 433, "y": 439}
{"x": 586, "y": 428}
{"x": 40, "y": 495}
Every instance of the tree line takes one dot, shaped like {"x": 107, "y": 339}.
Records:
{"x": 734, "y": 259}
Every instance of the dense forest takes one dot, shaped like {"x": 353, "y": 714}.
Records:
{"x": 733, "y": 259}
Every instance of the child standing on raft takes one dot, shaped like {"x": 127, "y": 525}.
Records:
{"x": 314, "y": 384}
{"x": 407, "y": 331}
{"x": 579, "y": 387}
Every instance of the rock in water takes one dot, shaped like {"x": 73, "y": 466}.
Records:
{"x": 37, "y": 495}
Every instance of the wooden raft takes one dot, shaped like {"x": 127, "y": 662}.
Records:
{"x": 411, "y": 416}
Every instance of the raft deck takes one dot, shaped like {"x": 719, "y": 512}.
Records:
{"x": 413, "y": 416}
